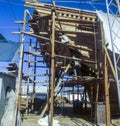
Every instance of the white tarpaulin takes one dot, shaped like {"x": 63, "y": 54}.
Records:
{"x": 9, "y": 116}
{"x": 44, "y": 121}
{"x": 115, "y": 26}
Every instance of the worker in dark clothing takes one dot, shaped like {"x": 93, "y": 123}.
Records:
{"x": 77, "y": 68}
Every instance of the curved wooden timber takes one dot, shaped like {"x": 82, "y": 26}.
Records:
{"x": 83, "y": 29}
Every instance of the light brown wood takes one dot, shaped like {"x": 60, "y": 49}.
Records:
{"x": 107, "y": 93}
{"x": 52, "y": 67}
{"x": 85, "y": 41}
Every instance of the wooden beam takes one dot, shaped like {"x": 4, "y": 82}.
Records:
{"x": 107, "y": 84}
{"x": 79, "y": 82}
{"x": 52, "y": 68}
{"x": 79, "y": 24}
{"x": 59, "y": 8}
{"x": 47, "y": 39}
{"x": 110, "y": 62}
{"x": 21, "y": 64}
{"x": 86, "y": 33}
{"x": 63, "y": 11}
{"x": 61, "y": 19}
{"x": 91, "y": 97}
{"x": 21, "y": 22}
{"x": 55, "y": 90}
{"x": 77, "y": 59}
{"x": 106, "y": 51}
{"x": 33, "y": 53}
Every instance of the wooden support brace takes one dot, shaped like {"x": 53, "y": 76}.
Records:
{"x": 107, "y": 93}
{"x": 55, "y": 90}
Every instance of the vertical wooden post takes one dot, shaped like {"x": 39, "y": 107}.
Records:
{"x": 73, "y": 97}
{"x": 91, "y": 89}
{"x": 107, "y": 92}
{"x": 52, "y": 67}
{"x": 28, "y": 80}
{"x": 78, "y": 92}
{"x": 106, "y": 81}
{"x": 21, "y": 64}
{"x": 34, "y": 84}
{"x": 55, "y": 89}
{"x": 85, "y": 100}
{"x": 97, "y": 94}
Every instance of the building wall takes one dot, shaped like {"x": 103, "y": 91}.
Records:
{"x": 7, "y": 82}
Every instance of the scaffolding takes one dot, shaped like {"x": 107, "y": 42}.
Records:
{"x": 113, "y": 8}
{"x": 86, "y": 46}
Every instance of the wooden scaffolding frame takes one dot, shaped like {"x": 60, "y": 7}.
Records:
{"x": 53, "y": 88}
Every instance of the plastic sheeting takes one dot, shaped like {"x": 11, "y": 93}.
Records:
{"x": 115, "y": 26}
{"x": 5, "y": 82}
{"x": 2, "y": 99}
{"x": 9, "y": 115}
{"x": 44, "y": 122}
{"x": 10, "y": 110}
{"x": 19, "y": 119}
{"x": 9, "y": 51}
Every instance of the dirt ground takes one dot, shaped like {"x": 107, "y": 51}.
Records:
{"x": 67, "y": 117}
{"x": 63, "y": 121}
{"x": 68, "y": 121}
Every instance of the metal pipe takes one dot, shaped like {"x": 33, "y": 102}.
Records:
{"x": 114, "y": 57}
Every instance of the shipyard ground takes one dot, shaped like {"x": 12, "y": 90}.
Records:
{"x": 67, "y": 117}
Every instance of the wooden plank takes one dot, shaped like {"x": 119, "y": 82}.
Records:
{"x": 63, "y": 11}
{"x": 59, "y": 8}
{"x": 77, "y": 59}
{"x": 107, "y": 84}
{"x": 33, "y": 53}
{"x": 55, "y": 90}
{"x": 106, "y": 52}
{"x": 78, "y": 32}
{"x": 19, "y": 90}
{"x": 110, "y": 62}
{"x": 80, "y": 23}
{"x": 52, "y": 68}
{"x": 47, "y": 39}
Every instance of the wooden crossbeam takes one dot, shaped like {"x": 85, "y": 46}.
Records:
{"x": 77, "y": 59}
{"x": 63, "y": 11}
{"x": 47, "y": 39}
{"x": 55, "y": 90}
{"x": 60, "y": 8}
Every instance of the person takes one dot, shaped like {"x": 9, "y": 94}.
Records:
{"x": 64, "y": 38}
{"x": 77, "y": 68}
{"x": 65, "y": 41}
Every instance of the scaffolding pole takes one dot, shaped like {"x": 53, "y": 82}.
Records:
{"x": 52, "y": 68}
{"x": 113, "y": 46}
{"x": 107, "y": 101}
{"x": 21, "y": 62}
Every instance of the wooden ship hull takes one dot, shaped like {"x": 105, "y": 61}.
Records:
{"x": 86, "y": 43}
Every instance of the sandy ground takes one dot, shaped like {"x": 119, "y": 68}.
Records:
{"x": 30, "y": 121}
{"x": 67, "y": 121}
{"x": 63, "y": 121}
{"x": 67, "y": 117}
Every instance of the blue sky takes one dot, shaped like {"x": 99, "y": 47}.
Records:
{"x": 13, "y": 10}
{"x": 9, "y": 12}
